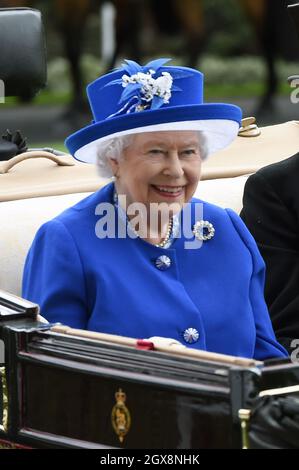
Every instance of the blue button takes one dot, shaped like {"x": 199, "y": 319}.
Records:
{"x": 191, "y": 335}
{"x": 163, "y": 262}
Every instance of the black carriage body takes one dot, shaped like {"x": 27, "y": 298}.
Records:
{"x": 62, "y": 391}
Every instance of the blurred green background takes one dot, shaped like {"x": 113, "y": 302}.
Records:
{"x": 230, "y": 57}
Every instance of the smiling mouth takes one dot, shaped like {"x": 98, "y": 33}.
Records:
{"x": 169, "y": 191}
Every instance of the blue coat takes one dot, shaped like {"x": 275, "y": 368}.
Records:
{"x": 113, "y": 286}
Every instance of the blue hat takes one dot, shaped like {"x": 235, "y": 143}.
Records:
{"x": 152, "y": 98}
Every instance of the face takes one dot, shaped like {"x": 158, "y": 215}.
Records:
{"x": 159, "y": 167}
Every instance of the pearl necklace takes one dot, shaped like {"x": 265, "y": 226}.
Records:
{"x": 169, "y": 228}
{"x": 168, "y": 235}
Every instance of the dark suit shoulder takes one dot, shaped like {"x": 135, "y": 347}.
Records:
{"x": 279, "y": 178}
{"x": 285, "y": 169}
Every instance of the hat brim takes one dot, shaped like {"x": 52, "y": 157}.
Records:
{"x": 218, "y": 122}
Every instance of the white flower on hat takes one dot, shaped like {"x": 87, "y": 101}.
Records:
{"x": 150, "y": 86}
{"x": 163, "y": 86}
{"x": 141, "y": 90}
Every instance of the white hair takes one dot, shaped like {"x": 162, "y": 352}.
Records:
{"x": 113, "y": 149}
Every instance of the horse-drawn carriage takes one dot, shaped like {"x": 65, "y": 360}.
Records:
{"x": 62, "y": 387}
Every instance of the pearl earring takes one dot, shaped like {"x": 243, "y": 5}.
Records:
{"x": 113, "y": 178}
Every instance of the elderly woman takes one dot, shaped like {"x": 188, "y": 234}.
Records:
{"x": 140, "y": 257}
